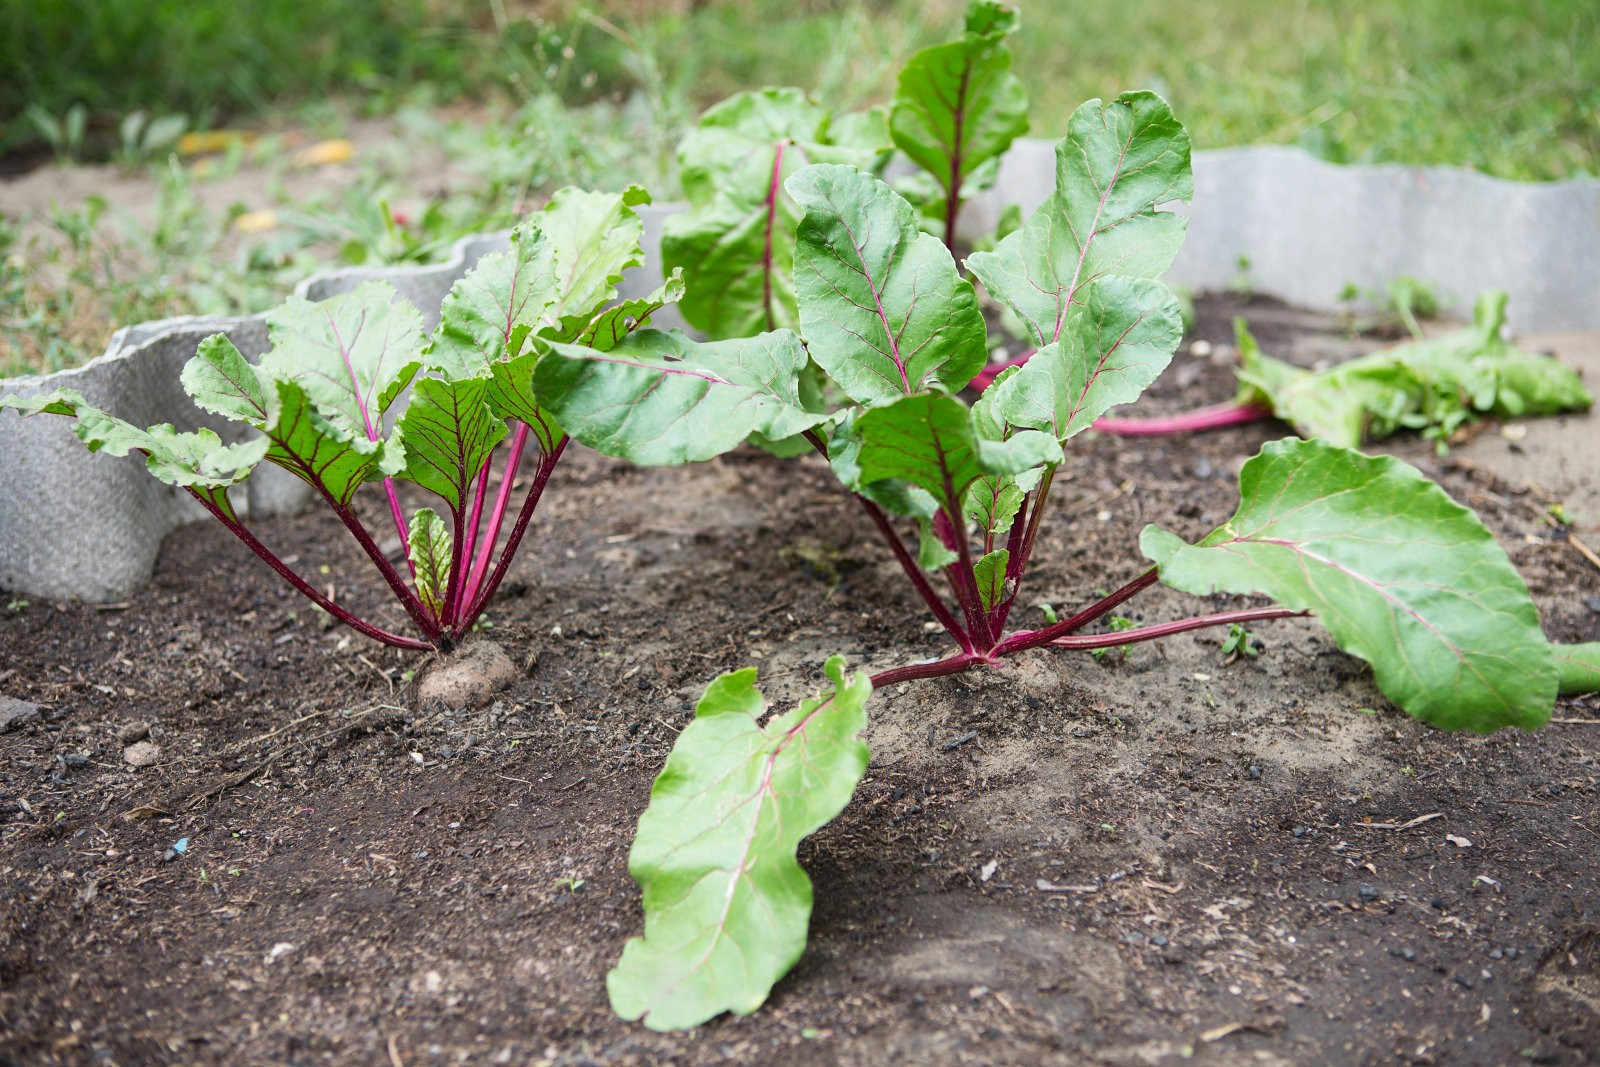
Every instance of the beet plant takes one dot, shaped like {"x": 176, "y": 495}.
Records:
{"x": 957, "y": 107}
{"x": 1400, "y": 574}
{"x": 353, "y": 394}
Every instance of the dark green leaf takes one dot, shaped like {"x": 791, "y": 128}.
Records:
{"x": 449, "y": 432}
{"x": 661, "y": 398}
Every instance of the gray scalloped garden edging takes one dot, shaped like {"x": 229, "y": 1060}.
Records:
{"x": 74, "y": 524}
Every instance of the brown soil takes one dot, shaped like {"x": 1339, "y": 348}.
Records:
{"x": 1067, "y": 861}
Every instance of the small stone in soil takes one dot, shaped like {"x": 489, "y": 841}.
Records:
{"x": 75, "y": 759}
{"x": 1592, "y": 603}
{"x": 15, "y": 714}
{"x": 142, "y": 753}
{"x": 1368, "y": 892}
{"x": 1253, "y": 772}
{"x": 1300, "y": 831}
{"x": 133, "y": 731}
{"x": 1407, "y": 954}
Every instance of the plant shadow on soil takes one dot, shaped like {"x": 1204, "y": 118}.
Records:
{"x": 1133, "y": 860}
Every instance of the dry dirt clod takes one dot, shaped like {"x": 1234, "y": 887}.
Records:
{"x": 15, "y": 714}
{"x": 468, "y": 678}
{"x": 142, "y": 753}
{"x": 133, "y": 731}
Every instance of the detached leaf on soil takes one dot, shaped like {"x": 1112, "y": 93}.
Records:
{"x": 1434, "y": 386}
{"x": 1401, "y": 575}
{"x": 726, "y": 904}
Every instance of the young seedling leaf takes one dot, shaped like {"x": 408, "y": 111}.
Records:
{"x": 605, "y": 329}
{"x": 1118, "y": 163}
{"x": 1400, "y": 574}
{"x": 929, "y": 440}
{"x": 726, "y": 906}
{"x": 449, "y": 432}
{"x": 1433, "y": 385}
{"x": 430, "y": 558}
{"x": 735, "y": 244}
{"x": 1115, "y": 341}
{"x": 882, "y": 307}
{"x": 351, "y": 354}
{"x": 661, "y": 398}
{"x": 990, "y": 575}
{"x": 958, "y": 105}
{"x": 994, "y": 499}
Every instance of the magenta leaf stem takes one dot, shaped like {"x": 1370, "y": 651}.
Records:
{"x": 475, "y": 522}
{"x": 1209, "y": 418}
{"x": 547, "y": 463}
{"x": 1019, "y": 642}
{"x": 305, "y": 588}
{"x": 497, "y": 515}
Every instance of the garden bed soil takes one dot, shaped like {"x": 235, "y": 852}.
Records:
{"x": 1151, "y": 859}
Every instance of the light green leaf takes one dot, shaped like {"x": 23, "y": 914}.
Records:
{"x": 605, "y": 329}
{"x": 1434, "y": 386}
{"x": 593, "y": 238}
{"x": 929, "y": 440}
{"x": 220, "y": 380}
{"x": 449, "y": 432}
{"x": 1118, "y": 163}
{"x": 735, "y": 244}
{"x": 1116, "y": 340}
{"x": 198, "y": 461}
{"x": 958, "y": 105}
{"x": 990, "y": 574}
{"x": 882, "y": 307}
{"x": 504, "y": 290}
{"x": 662, "y": 398}
{"x": 430, "y": 558}
{"x": 726, "y": 905}
{"x": 1577, "y": 668}
{"x": 1401, "y": 575}
{"x": 352, "y": 354}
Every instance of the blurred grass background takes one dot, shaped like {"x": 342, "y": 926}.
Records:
{"x": 1511, "y": 88}
{"x": 479, "y": 107}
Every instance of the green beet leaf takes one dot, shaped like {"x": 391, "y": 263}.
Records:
{"x": 726, "y": 905}
{"x": 1400, "y": 574}
{"x": 1577, "y": 668}
{"x": 990, "y": 575}
{"x": 735, "y": 244}
{"x": 198, "y": 461}
{"x": 504, "y": 290}
{"x": 449, "y": 432}
{"x": 1434, "y": 386}
{"x": 661, "y": 398}
{"x": 329, "y": 455}
{"x": 430, "y": 558}
{"x": 1118, "y": 163}
{"x": 352, "y": 354}
{"x": 1115, "y": 341}
{"x": 958, "y": 106}
{"x": 882, "y": 307}
{"x": 930, "y": 441}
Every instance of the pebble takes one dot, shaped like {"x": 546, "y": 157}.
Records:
{"x": 132, "y": 732}
{"x": 15, "y": 714}
{"x": 1300, "y": 831}
{"x": 75, "y": 759}
{"x": 1592, "y": 603}
{"x": 141, "y": 753}
{"x": 1368, "y": 892}
{"x": 1254, "y": 772}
